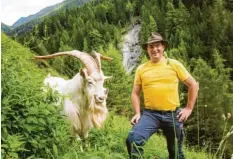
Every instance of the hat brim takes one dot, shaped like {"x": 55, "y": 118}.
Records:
{"x": 164, "y": 42}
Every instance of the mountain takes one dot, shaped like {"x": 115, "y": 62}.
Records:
{"x": 5, "y": 28}
{"x": 40, "y": 14}
{"x": 25, "y": 24}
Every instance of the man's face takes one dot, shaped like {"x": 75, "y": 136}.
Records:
{"x": 155, "y": 51}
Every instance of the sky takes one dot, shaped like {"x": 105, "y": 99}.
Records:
{"x": 12, "y": 10}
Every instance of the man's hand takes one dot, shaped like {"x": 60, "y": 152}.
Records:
{"x": 135, "y": 119}
{"x": 184, "y": 114}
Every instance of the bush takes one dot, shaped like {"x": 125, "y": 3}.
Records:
{"x": 29, "y": 118}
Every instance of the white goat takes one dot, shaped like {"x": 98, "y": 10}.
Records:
{"x": 85, "y": 96}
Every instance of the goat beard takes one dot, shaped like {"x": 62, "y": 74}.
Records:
{"x": 98, "y": 113}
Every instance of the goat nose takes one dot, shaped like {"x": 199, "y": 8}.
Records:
{"x": 100, "y": 98}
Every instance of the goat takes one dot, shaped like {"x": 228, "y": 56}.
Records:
{"x": 84, "y": 94}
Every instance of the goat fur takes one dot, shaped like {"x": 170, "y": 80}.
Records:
{"x": 80, "y": 104}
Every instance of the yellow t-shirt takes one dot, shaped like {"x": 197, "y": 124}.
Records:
{"x": 159, "y": 83}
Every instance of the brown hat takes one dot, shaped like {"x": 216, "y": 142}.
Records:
{"x": 155, "y": 37}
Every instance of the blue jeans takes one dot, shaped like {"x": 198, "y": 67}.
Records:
{"x": 149, "y": 123}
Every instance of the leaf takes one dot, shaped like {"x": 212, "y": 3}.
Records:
{"x": 33, "y": 156}
{"x": 3, "y": 153}
{"x": 33, "y": 142}
{"x": 15, "y": 142}
{"x": 46, "y": 112}
{"x": 42, "y": 121}
{"x": 29, "y": 128}
{"x": 4, "y": 146}
{"x": 13, "y": 154}
{"x": 33, "y": 110}
{"x": 55, "y": 151}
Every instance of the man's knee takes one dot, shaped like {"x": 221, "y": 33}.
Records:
{"x": 135, "y": 138}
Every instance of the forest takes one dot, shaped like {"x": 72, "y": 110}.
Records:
{"x": 200, "y": 35}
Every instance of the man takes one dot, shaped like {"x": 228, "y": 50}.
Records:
{"x": 158, "y": 79}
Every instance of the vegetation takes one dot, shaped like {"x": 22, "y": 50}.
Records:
{"x": 27, "y": 132}
{"x": 199, "y": 35}
{"x": 5, "y": 28}
{"x": 26, "y": 129}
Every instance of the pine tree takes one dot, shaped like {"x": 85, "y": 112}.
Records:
{"x": 214, "y": 100}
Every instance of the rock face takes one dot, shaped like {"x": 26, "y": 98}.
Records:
{"x": 131, "y": 49}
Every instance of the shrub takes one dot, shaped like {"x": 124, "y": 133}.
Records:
{"x": 29, "y": 118}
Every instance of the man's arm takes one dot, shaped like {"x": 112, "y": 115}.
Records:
{"x": 135, "y": 98}
{"x": 192, "y": 96}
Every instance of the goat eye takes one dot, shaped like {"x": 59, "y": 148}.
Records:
{"x": 90, "y": 83}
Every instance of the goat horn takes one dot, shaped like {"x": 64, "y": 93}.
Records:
{"x": 87, "y": 60}
{"x": 105, "y": 58}
{"x": 98, "y": 56}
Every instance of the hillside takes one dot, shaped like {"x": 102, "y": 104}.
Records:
{"x": 33, "y": 127}
{"x": 25, "y": 126}
{"x": 38, "y": 15}
{"x": 25, "y": 24}
{"x": 199, "y": 35}
{"x": 5, "y": 28}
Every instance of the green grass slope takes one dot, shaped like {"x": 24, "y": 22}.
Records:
{"x": 29, "y": 120}
{"x": 109, "y": 143}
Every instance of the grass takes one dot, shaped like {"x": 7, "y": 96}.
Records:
{"x": 109, "y": 143}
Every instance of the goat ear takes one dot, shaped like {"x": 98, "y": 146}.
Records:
{"x": 83, "y": 73}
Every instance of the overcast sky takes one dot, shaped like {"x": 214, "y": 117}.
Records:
{"x": 12, "y": 10}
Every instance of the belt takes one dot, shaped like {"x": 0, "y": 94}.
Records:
{"x": 161, "y": 111}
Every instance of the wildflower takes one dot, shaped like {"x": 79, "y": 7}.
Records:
{"x": 224, "y": 117}
{"x": 228, "y": 115}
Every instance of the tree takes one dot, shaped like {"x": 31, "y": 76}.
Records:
{"x": 148, "y": 24}
{"x": 96, "y": 39}
{"x": 129, "y": 12}
{"x": 177, "y": 20}
{"x": 214, "y": 100}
